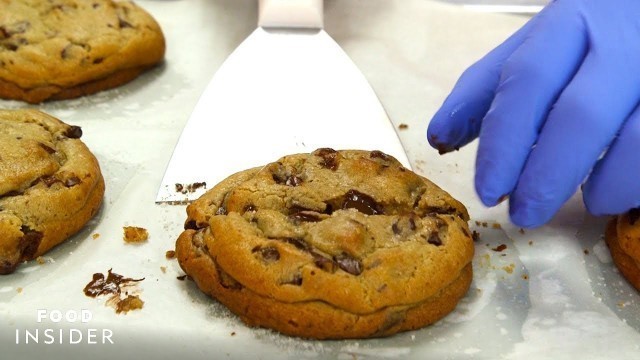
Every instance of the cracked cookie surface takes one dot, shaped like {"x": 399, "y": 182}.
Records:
{"x": 332, "y": 244}
{"x": 61, "y": 49}
{"x": 623, "y": 239}
{"x": 50, "y": 185}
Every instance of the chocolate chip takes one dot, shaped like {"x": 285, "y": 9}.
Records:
{"x": 500, "y": 248}
{"x": 296, "y": 280}
{"x": 47, "y": 148}
{"x": 379, "y": 154}
{"x": 348, "y": 264}
{"x": 190, "y": 225}
{"x": 329, "y": 158}
{"x": 298, "y": 243}
{"x": 362, "y": 202}
{"x": 325, "y": 263}
{"x": 72, "y": 181}
{"x": 29, "y": 242}
{"x": 122, "y": 23}
{"x": 49, "y": 180}
{"x": 293, "y": 181}
{"x": 269, "y": 254}
{"x": 304, "y": 216}
{"x": 434, "y": 239}
{"x": 475, "y": 236}
{"x": 73, "y": 132}
{"x": 395, "y": 228}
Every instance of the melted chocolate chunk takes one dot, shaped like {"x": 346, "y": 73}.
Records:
{"x": 293, "y": 181}
{"x": 269, "y": 254}
{"x": 329, "y": 158}
{"x": 304, "y": 216}
{"x": 298, "y": 243}
{"x": 348, "y": 264}
{"x": 72, "y": 181}
{"x": 325, "y": 264}
{"x": 49, "y": 180}
{"x": 191, "y": 225}
{"x": 395, "y": 228}
{"x": 122, "y": 23}
{"x": 29, "y": 242}
{"x": 379, "y": 154}
{"x": 434, "y": 239}
{"x": 73, "y": 132}
{"x": 296, "y": 280}
{"x": 112, "y": 284}
{"x": 361, "y": 202}
{"x": 47, "y": 148}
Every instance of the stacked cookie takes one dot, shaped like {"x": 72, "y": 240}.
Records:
{"x": 332, "y": 244}
{"x": 623, "y": 238}
{"x": 50, "y": 185}
{"x": 51, "y": 50}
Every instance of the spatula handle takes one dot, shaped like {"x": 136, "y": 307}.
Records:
{"x": 290, "y": 14}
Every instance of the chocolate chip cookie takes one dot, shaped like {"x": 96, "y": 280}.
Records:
{"x": 330, "y": 245}
{"x": 623, "y": 238}
{"x": 50, "y": 185}
{"x": 62, "y": 49}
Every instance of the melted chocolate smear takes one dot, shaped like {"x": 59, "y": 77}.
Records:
{"x": 112, "y": 284}
{"x": 329, "y": 158}
{"x": 348, "y": 264}
{"x": 73, "y": 132}
{"x": 49, "y": 180}
{"x": 634, "y": 215}
{"x": 361, "y": 202}
{"x": 297, "y": 280}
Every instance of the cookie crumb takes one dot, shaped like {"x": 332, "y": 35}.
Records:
{"x": 233, "y": 333}
{"x": 131, "y": 302}
{"x": 403, "y": 126}
{"x": 134, "y": 234}
{"x": 586, "y": 251}
{"x": 521, "y": 231}
{"x": 19, "y": 290}
{"x": 496, "y": 226}
{"x": 170, "y": 254}
{"x": 525, "y": 277}
{"x": 530, "y": 242}
{"x": 95, "y": 236}
{"x": 41, "y": 260}
{"x": 475, "y": 236}
{"x": 509, "y": 268}
{"x": 190, "y": 188}
{"x": 163, "y": 269}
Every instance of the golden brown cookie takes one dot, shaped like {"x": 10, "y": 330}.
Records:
{"x": 330, "y": 245}
{"x": 50, "y": 185}
{"x": 62, "y": 49}
{"x": 623, "y": 238}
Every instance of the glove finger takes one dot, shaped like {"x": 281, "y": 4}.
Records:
{"x": 532, "y": 79}
{"x": 458, "y": 120}
{"x": 612, "y": 187}
{"x": 583, "y": 122}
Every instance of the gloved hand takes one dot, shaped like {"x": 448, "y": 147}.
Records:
{"x": 546, "y": 104}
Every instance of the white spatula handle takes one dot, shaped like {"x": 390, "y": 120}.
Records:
{"x": 290, "y": 14}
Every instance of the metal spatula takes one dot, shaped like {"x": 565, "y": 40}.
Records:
{"x": 288, "y": 88}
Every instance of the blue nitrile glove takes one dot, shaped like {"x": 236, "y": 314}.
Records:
{"x": 546, "y": 104}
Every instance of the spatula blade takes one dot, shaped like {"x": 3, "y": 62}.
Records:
{"x": 280, "y": 92}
